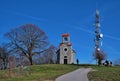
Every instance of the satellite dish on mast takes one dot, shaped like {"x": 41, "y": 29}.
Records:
{"x": 98, "y": 49}
{"x": 101, "y": 35}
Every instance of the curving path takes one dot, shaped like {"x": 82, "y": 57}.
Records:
{"x": 77, "y": 75}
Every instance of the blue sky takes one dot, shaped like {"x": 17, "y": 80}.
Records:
{"x": 75, "y": 17}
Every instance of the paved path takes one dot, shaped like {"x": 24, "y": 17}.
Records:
{"x": 77, "y": 75}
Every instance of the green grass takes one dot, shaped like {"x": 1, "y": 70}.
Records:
{"x": 52, "y": 71}
{"x": 103, "y": 73}
{"x": 41, "y": 72}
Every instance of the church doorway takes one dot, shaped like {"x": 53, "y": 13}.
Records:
{"x": 65, "y": 61}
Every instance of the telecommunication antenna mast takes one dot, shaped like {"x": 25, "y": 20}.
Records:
{"x": 98, "y": 34}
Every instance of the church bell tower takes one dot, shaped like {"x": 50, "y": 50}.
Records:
{"x": 66, "y": 53}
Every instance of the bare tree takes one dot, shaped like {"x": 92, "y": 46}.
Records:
{"x": 3, "y": 57}
{"x": 47, "y": 57}
{"x": 99, "y": 56}
{"x": 27, "y": 40}
{"x": 50, "y": 55}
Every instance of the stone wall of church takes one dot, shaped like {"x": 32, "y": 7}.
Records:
{"x": 66, "y": 52}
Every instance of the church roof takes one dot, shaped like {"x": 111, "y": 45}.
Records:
{"x": 68, "y": 43}
{"x": 65, "y": 35}
{"x": 74, "y": 51}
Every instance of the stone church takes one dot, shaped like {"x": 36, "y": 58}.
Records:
{"x": 65, "y": 55}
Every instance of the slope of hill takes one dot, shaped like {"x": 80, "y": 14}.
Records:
{"x": 39, "y": 73}
{"x": 103, "y": 73}
{"x": 48, "y": 72}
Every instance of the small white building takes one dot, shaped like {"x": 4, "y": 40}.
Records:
{"x": 65, "y": 53}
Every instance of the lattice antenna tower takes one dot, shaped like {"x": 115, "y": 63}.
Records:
{"x": 98, "y": 34}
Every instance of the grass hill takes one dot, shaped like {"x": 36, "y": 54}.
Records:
{"x": 40, "y": 73}
{"x": 48, "y": 72}
{"x": 103, "y": 73}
